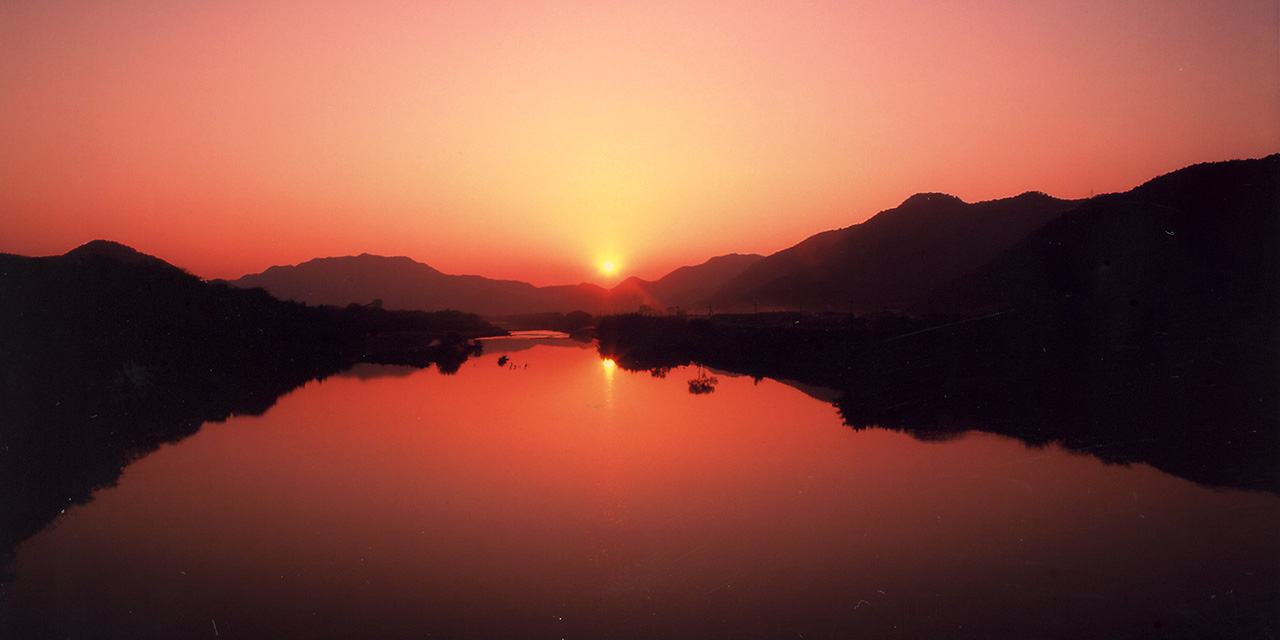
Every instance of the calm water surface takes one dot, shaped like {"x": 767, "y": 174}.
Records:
{"x": 561, "y": 497}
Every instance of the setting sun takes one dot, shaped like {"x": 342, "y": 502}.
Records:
{"x": 607, "y": 267}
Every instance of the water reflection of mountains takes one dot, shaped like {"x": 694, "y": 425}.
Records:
{"x": 525, "y": 340}
{"x": 1139, "y": 326}
{"x": 1207, "y": 420}
{"x": 106, "y": 354}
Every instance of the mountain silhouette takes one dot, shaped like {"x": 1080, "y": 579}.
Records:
{"x": 1198, "y": 242}
{"x": 689, "y": 286}
{"x": 402, "y": 283}
{"x": 111, "y": 250}
{"x": 894, "y": 259}
{"x": 1202, "y": 231}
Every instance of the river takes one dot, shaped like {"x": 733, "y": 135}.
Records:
{"x": 554, "y": 495}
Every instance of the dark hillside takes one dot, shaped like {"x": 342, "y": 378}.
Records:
{"x": 692, "y": 286}
{"x": 894, "y": 259}
{"x": 1180, "y": 273}
{"x": 1189, "y": 242}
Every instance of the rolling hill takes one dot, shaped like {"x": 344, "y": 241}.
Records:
{"x": 402, "y": 283}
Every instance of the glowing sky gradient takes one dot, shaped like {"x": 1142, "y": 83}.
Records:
{"x": 536, "y": 140}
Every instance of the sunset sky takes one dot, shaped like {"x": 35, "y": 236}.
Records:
{"x": 535, "y": 141}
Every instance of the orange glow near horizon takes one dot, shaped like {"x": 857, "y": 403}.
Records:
{"x": 511, "y": 141}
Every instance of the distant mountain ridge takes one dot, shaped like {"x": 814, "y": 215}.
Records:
{"x": 933, "y": 252}
{"x": 402, "y": 283}
{"x": 893, "y": 260}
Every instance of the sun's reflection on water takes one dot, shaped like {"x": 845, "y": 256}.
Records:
{"x": 610, "y": 369}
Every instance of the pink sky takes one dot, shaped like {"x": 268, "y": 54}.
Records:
{"x": 536, "y": 140}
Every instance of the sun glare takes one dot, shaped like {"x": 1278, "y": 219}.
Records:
{"x": 607, "y": 267}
